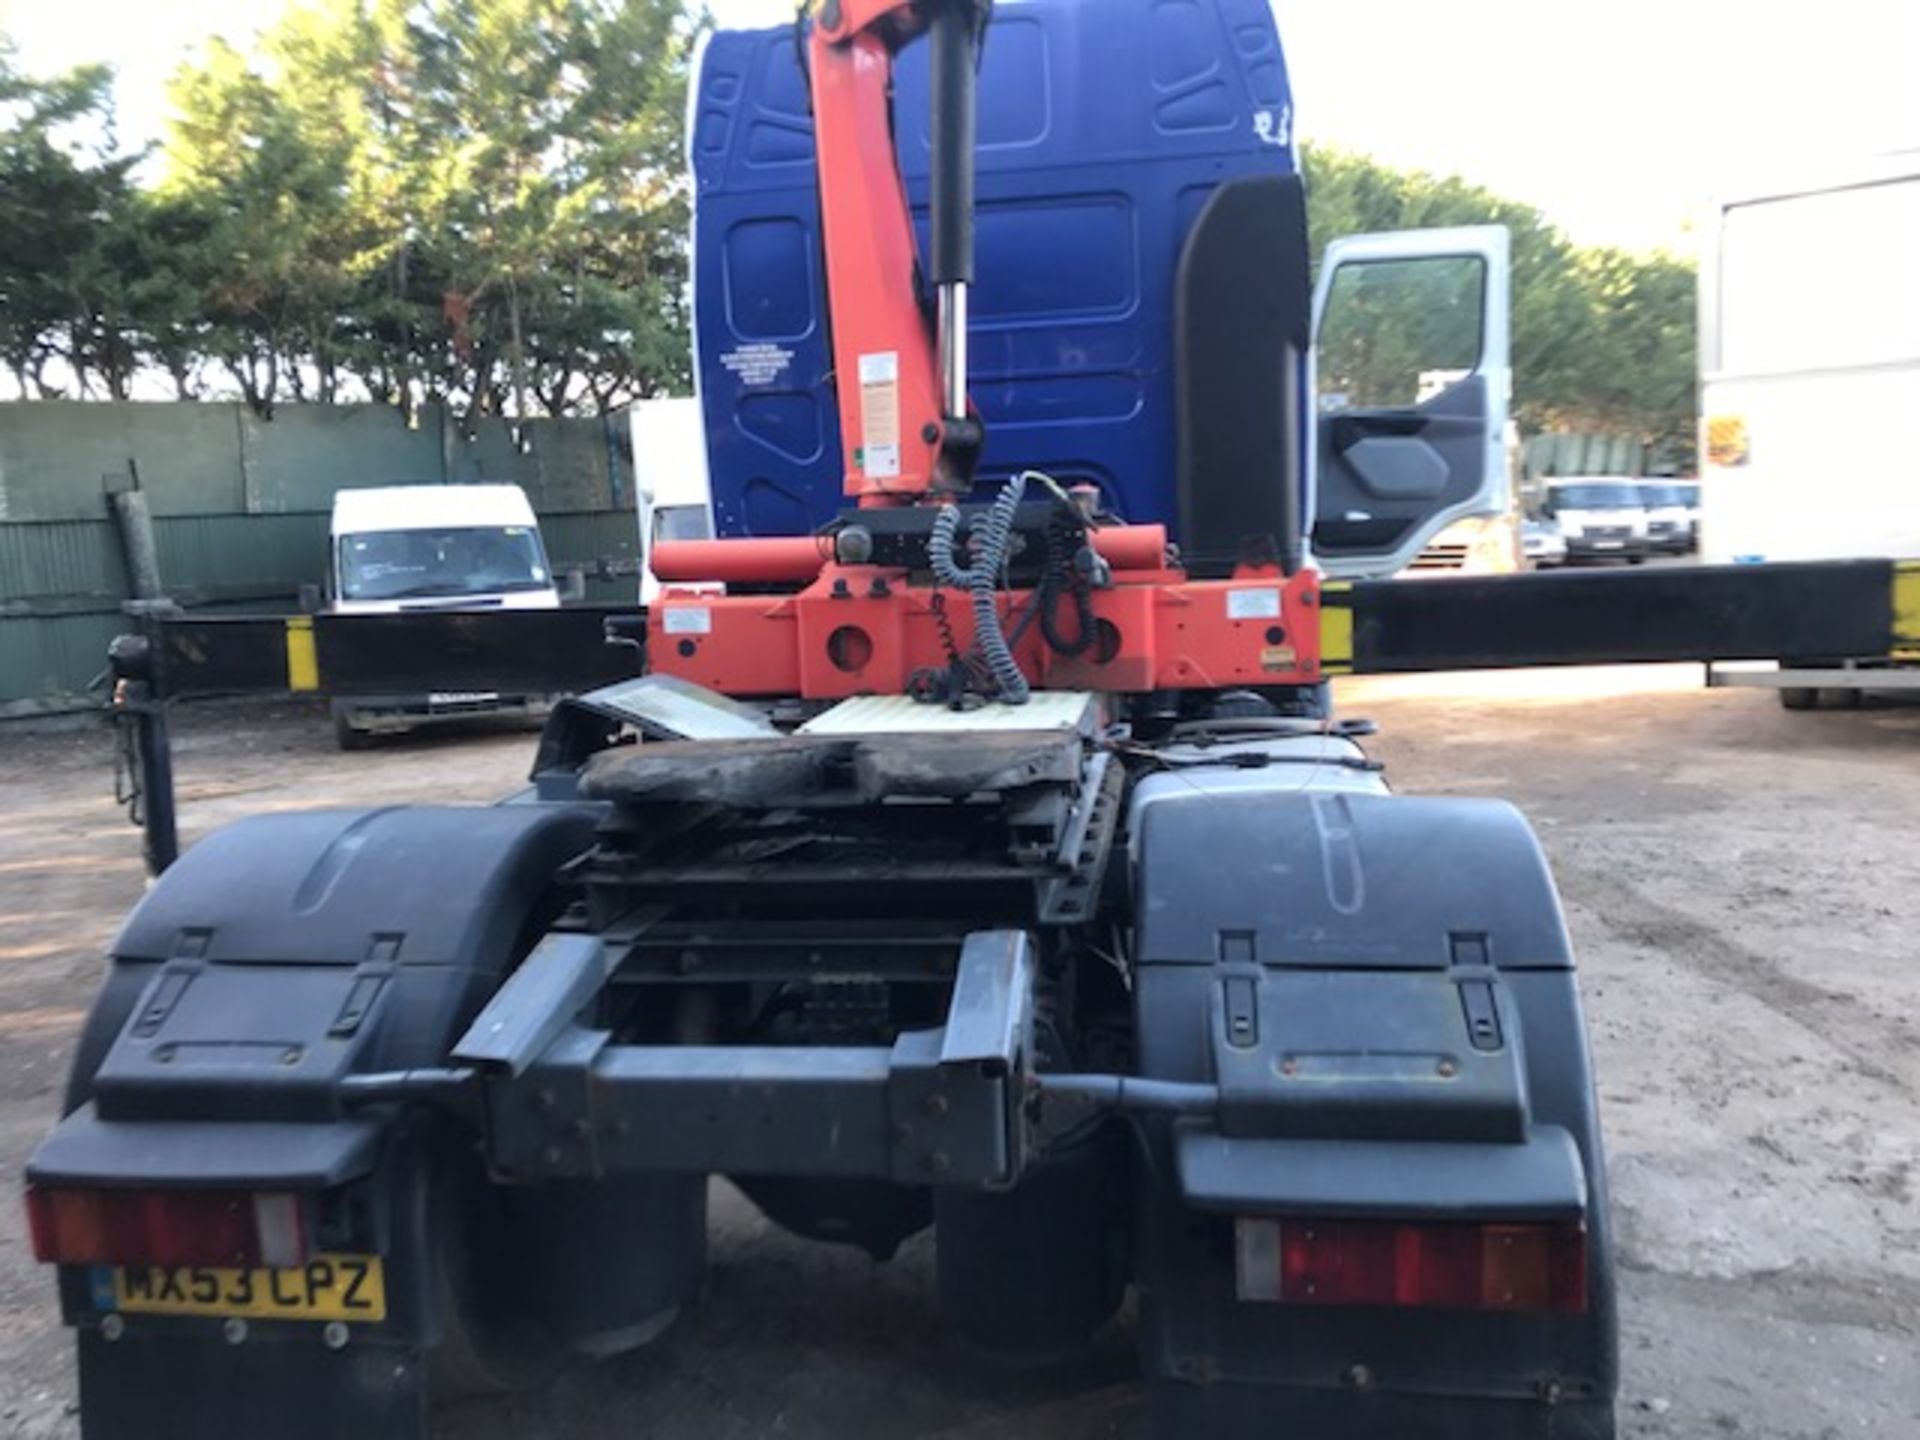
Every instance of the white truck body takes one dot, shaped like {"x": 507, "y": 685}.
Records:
{"x": 1803, "y": 364}
{"x": 1808, "y": 369}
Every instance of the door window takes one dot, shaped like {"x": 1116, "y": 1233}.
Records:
{"x": 1397, "y": 333}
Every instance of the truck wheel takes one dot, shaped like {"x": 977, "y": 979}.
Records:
{"x": 494, "y": 1340}
{"x": 1031, "y": 1274}
{"x": 1799, "y": 697}
{"x": 346, "y": 734}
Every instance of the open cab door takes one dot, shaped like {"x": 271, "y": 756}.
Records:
{"x": 1411, "y": 390}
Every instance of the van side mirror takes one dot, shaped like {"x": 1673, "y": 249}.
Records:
{"x": 573, "y": 586}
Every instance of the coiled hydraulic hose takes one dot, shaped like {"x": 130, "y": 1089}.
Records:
{"x": 992, "y": 544}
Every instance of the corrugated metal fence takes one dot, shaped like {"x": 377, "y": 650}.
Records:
{"x": 240, "y": 508}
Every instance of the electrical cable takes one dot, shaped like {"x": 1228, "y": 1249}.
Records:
{"x": 992, "y": 547}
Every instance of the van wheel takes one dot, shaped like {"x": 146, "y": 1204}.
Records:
{"x": 346, "y": 734}
{"x": 1799, "y": 697}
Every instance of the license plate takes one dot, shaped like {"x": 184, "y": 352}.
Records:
{"x": 463, "y": 697}
{"x": 1607, "y": 544}
{"x": 327, "y": 1287}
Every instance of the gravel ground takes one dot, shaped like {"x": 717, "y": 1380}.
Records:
{"x": 1744, "y": 889}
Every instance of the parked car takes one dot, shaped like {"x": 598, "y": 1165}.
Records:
{"x": 1600, "y": 517}
{"x": 1670, "y": 527}
{"x": 1542, "y": 543}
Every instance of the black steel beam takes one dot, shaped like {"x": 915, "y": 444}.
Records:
{"x": 513, "y": 652}
{"x": 1852, "y": 609}
{"x": 1836, "y": 609}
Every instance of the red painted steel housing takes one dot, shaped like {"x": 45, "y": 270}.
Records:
{"x": 864, "y": 630}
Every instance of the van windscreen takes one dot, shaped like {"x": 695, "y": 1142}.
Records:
{"x": 465, "y": 560}
{"x": 1597, "y": 495}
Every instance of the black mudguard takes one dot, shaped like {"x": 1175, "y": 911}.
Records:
{"x": 274, "y": 958}
{"x": 1307, "y": 952}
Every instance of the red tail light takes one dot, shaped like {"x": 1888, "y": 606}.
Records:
{"x": 237, "y": 1228}
{"x": 1445, "y": 1266}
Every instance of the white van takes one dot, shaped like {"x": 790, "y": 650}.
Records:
{"x": 1601, "y": 517}
{"x": 1670, "y": 529}
{"x": 433, "y": 547}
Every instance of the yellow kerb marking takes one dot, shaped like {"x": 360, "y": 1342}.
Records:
{"x": 303, "y": 660}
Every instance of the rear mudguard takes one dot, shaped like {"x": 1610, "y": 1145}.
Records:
{"x": 1383, "y": 989}
{"x": 275, "y": 958}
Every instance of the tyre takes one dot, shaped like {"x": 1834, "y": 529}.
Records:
{"x": 346, "y": 734}
{"x": 1799, "y": 697}
{"x": 494, "y": 1337}
{"x": 1029, "y": 1275}
{"x": 1842, "y": 697}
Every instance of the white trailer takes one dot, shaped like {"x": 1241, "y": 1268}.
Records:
{"x": 1808, "y": 370}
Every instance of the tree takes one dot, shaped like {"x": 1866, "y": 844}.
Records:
{"x": 61, "y": 297}
{"x": 475, "y": 201}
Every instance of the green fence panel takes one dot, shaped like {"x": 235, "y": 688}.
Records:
{"x": 59, "y": 458}
{"x": 60, "y": 565}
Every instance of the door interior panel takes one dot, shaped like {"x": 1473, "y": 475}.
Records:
{"x": 1384, "y": 471}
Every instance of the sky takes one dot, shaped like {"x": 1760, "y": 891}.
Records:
{"x": 1619, "y": 118}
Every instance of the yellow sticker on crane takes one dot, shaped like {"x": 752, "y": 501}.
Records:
{"x": 880, "y": 414}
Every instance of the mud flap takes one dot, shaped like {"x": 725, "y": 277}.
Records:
{"x": 130, "y": 1389}
{"x": 276, "y": 959}
{"x": 1383, "y": 991}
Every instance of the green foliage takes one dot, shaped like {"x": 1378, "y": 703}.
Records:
{"x": 481, "y": 202}
{"x": 67, "y": 213}
{"x": 478, "y": 201}
{"x": 1602, "y": 340}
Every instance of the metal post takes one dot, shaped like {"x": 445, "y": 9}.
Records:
{"x": 134, "y": 523}
{"x": 139, "y": 702}
{"x": 160, "y": 840}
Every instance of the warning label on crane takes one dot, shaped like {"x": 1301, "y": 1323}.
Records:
{"x": 880, "y": 414}
{"x": 757, "y": 364}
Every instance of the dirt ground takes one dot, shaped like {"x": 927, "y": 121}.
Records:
{"x": 1744, "y": 889}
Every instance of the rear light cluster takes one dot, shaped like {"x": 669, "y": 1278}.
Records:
{"x": 1538, "y": 1268}
{"x": 228, "y": 1228}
